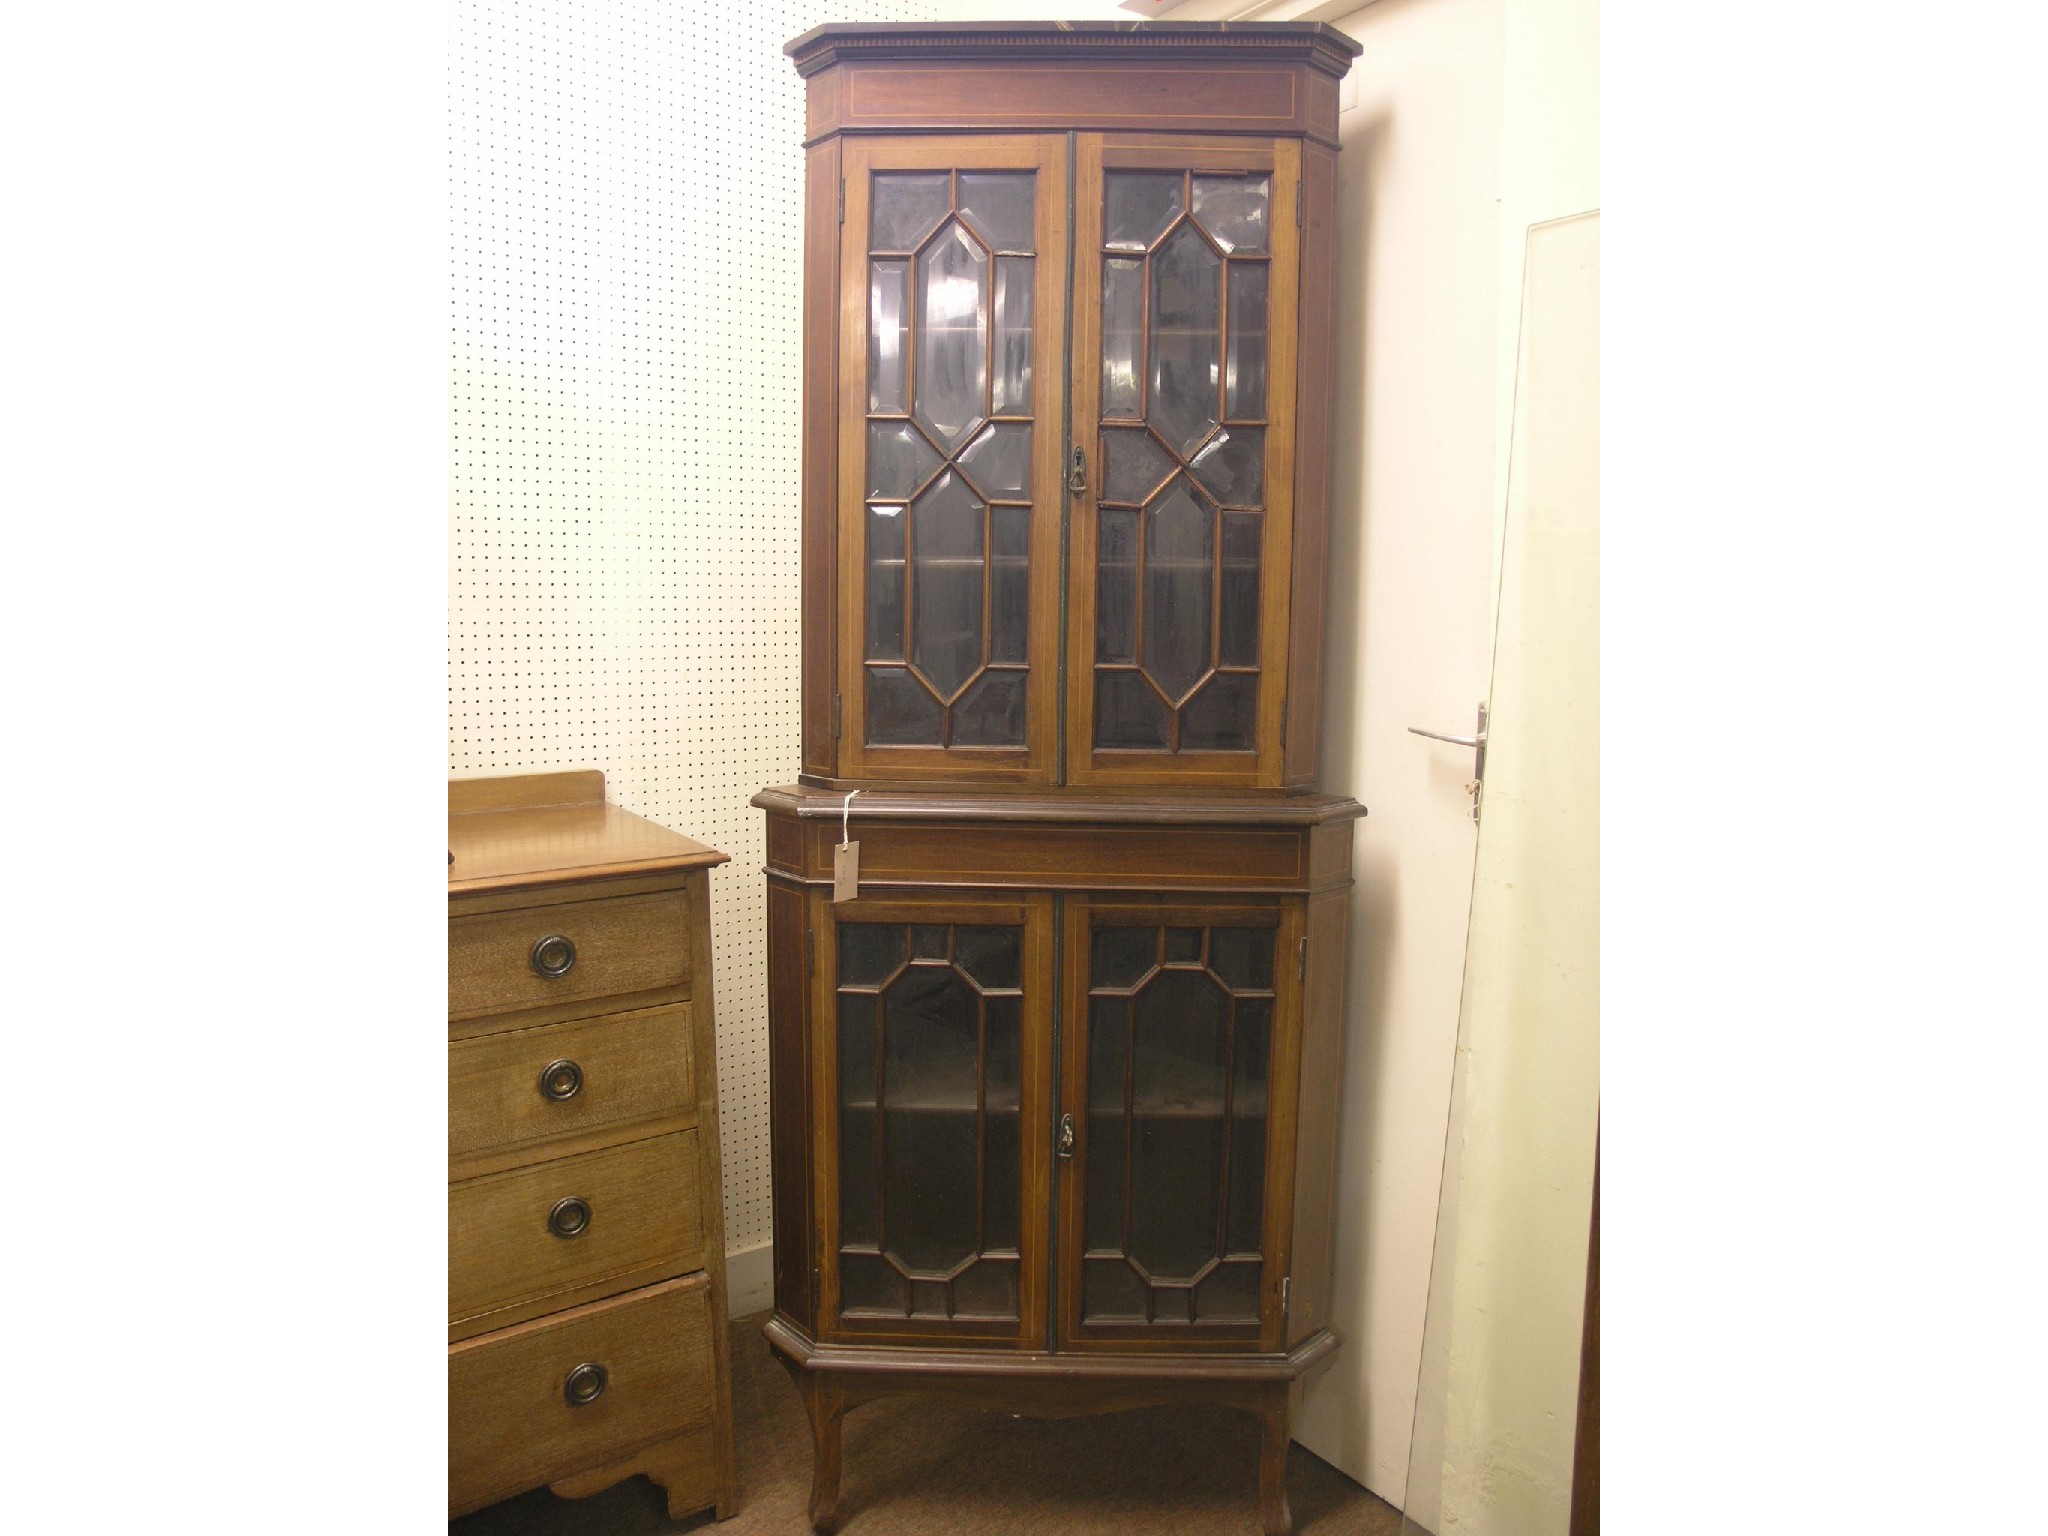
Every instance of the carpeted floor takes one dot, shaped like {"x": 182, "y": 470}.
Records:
{"x": 918, "y": 1468}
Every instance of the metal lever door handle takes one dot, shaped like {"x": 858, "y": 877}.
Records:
{"x": 1456, "y": 741}
{"x": 1476, "y": 741}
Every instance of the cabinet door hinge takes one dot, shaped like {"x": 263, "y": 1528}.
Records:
{"x": 835, "y": 717}
{"x": 1286, "y": 1298}
{"x": 1300, "y": 205}
{"x": 810, "y": 951}
{"x": 1301, "y": 962}
{"x": 842, "y": 199}
{"x": 1285, "y": 706}
{"x": 817, "y": 1286}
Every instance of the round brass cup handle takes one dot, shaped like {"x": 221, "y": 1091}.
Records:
{"x": 586, "y": 1384}
{"x": 561, "y": 1080}
{"x": 570, "y": 1217}
{"x": 552, "y": 956}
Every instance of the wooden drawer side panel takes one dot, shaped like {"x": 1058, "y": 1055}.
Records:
{"x": 510, "y": 1425}
{"x": 634, "y": 1066}
{"x": 644, "y": 1211}
{"x": 624, "y": 944}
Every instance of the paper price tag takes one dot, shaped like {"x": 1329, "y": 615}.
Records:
{"x": 846, "y": 871}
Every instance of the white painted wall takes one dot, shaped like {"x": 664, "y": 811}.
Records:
{"x": 1418, "y": 332}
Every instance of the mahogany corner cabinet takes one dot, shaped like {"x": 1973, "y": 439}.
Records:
{"x": 1055, "y": 1066}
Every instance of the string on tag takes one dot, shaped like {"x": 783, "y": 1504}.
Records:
{"x": 845, "y": 816}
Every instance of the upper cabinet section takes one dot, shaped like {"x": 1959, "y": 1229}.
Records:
{"x": 1066, "y": 403}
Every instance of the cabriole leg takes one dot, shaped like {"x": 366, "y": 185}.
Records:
{"x": 1273, "y": 1437}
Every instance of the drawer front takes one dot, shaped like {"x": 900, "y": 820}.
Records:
{"x": 511, "y": 1424}
{"x": 535, "y": 1085}
{"x": 640, "y": 1209}
{"x": 498, "y": 962}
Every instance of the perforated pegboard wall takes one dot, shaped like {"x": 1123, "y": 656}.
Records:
{"x": 625, "y": 195}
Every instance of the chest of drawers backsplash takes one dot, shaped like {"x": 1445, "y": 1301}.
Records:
{"x": 586, "y": 1254}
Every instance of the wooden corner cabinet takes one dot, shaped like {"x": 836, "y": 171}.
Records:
{"x": 1054, "y": 1089}
{"x": 586, "y": 1247}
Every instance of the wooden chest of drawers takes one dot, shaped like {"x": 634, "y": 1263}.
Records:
{"x": 586, "y": 1257}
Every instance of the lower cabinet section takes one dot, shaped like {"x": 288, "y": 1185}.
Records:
{"x": 1055, "y": 1133}
{"x": 589, "y": 1395}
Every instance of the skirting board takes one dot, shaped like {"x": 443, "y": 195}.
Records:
{"x": 749, "y": 1280}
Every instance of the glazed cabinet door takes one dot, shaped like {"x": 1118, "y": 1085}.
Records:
{"x": 952, "y": 275}
{"x": 933, "y": 1068}
{"x": 1181, "y": 1041}
{"x": 1186, "y": 281}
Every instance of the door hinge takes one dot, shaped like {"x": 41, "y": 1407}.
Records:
{"x": 810, "y": 951}
{"x": 817, "y": 1286}
{"x": 1285, "y": 706}
{"x": 1286, "y": 1296}
{"x": 842, "y": 199}
{"x": 835, "y": 717}
{"x": 1301, "y": 962}
{"x": 1300, "y": 205}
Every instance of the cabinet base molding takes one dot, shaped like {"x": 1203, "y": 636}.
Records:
{"x": 832, "y": 1378}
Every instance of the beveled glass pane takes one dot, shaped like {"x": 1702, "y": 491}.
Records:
{"x": 1232, "y": 466}
{"x": 888, "y": 335}
{"x": 931, "y": 1039}
{"x": 1229, "y": 1294}
{"x": 885, "y": 584}
{"x": 993, "y": 957}
{"x": 1116, "y": 586}
{"x": 859, "y": 1209}
{"x": 991, "y": 712}
{"x": 901, "y": 710}
{"x": 1111, "y": 1292}
{"x": 946, "y": 531}
{"x": 1244, "y": 367}
{"x": 930, "y": 941}
{"x": 1238, "y": 620}
{"x": 1175, "y": 1162}
{"x": 1002, "y": 1076}
{"x": 1133, "y": 465}
{"x": 1123, "y": 336}
{"x": 1183, "y": 946}
{"x": 899, "y": 459}
{"x": 1185, "y": 339}
{"x": 1243, "y": 957}
{"x": 1002, "y": 1181}
{"x": 1137, "y": 206}
{"x": 906, "y": 206}
{"x": 1000, "y": 204}
{"x": 928, "y": 1298}
{"x": 856, "y": 1049}
{"x": 1012, "y": 382}
{"x": 868, "y": 1284}
{"x": 952, "y": 335}
{"x": 1223, "y": 716}
{"x": 987, "y": 1290}
{"x": 1120, "y": 958}
{"x": 1009, "y": 585}
{"x": 1179, "y": 1059}
{"x": 1108, "y": 1020}
{"x": 1103, "y": 1195}
{"x": 1128, "y": 714}
{"x": 928, "y": 1188}
{"x": 1234, "y": 209}
{"x": 1180, "y": 572}
{"x": 869, "y": 953}
{"x": 1243, "y": 1226}
{"x": 998, "y": 461}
